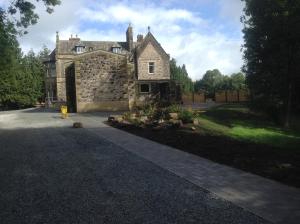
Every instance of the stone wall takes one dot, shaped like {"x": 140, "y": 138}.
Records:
{"x": 132, "y": 87}
{"x": 101, "y": 82}
{"x": 62, "y": 61}
{"x": 161, "y": 63}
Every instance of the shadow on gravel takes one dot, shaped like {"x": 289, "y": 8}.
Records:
{"x": 40, "y": 110}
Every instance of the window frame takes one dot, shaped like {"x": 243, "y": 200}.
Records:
{"x": 149, "y": 87}
{"x": 153, "y": 67}
{"x": 116, "y": 50}
{"x": 81, "y": 49}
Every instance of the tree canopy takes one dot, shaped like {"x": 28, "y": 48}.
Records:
{"x": 180, "y": 74}
{"x": 272, "y": 53}
{"x": 213, "y": 81}
{"x": 21, "y": 13}
{"x": 21, "y": 76}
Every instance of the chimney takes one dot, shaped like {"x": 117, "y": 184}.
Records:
{"x": 57, "y": 37}
{"x": 57, "y": 43}
{"x": 140, "y": 38}
{"x": 76, "y": 38}
{"x": 129, "y": 38}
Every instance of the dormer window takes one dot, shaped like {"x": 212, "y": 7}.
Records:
{"x": 116, "y": 50}
{"x": 79, "y": 49}
{"x": 151, "y": 66}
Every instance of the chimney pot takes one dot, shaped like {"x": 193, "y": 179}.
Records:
{"x": 140, "y": 38}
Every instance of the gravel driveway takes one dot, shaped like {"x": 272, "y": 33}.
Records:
{"x": 51, "y": 173}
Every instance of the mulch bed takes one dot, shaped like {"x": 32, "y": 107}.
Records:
{"x": 279, "y": 164}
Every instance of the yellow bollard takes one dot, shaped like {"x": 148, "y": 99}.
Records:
{"x": 64, "y": 111}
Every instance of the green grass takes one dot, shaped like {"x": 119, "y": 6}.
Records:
{"x": 238, "y": 122}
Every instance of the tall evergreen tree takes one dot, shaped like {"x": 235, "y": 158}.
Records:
{"x": 20, "y": 78}
{"x": 10, "y": 56}
{"x": 272, "y": 53}
{"x": 180, "y": 74}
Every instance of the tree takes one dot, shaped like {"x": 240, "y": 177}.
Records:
{"x": 272, "y": 53}
{"x": 237, "y": 81}
{"x": 180, "y": 74}
{"x": 22, "y": 13}
{"x": 10, "y": 56}
{"x": 20, "y": 77}
{"x": 210, "y": 82}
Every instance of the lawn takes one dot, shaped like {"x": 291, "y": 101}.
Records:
{"x": 238, "y": 122}
{"x": 237, "y": 137}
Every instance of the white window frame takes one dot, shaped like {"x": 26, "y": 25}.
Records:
{"x": 79, "y": 49}
{"x": 152, "y": 62}
{"x": 148, "y": 88}
{"x": 116, "y": 50}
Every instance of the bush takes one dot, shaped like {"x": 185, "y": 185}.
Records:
{"x": 186, "y": 116}
{"x": 149, "y": 109}
{"x": 175, "y": 108}
{"x": 160, "y": 113}
{"x": 127, "y": 116}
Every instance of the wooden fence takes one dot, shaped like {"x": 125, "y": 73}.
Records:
{"x": 230, "y": 96}
{"x": 192, "y": 98}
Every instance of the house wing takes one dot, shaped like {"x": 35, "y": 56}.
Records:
{"x": 150, "y": 39}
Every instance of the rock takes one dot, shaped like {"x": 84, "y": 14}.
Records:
{"x": 176, "y": 123}
{"x": 193, "y": 128}
{"x": 77, "y": 125}
{"x": 111, "y": 118}
{"x": 144, "y": 119}
{"x": 133, "y": 115}
{"x": 161, "y": 121}
{"x": 196, "y": 121}
{"x": 119, "y": 118}
{"x": 125, "y": 122}
{"x": 174, "y": 116}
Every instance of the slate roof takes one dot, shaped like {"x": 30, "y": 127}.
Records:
{"x": 68, "y": 46}
{"x": 150, "y": 38}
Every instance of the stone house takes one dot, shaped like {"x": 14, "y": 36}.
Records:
{"x": 107, "y": 75}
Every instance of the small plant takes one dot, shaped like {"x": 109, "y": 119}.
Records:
{"x": 160, "y": 114}
{"x": 186, "y": 116}
{"x": 174, "y": 108}
{"x": 127, "y": 116}
{"x": 149, "y": 109}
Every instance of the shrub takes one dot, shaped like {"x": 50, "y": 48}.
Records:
{"x": 160, "y": 113}
{"x": 127, "y": 116}
{"x": 174, "y": 108}
{"x": 149, "y": 109}
{"x": 186, "y": 116}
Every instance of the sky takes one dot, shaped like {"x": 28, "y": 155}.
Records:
{"x": 202, "y": 34}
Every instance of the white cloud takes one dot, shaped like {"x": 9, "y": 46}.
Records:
{"x": 232, "y": 9}
{"x": 4, "y": 3}
{"x": 189, "y": 38}
{"x": 139, "y": 15}
{"x": 201, "y": 53}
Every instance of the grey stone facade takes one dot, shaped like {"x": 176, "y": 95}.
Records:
{"x": 107, "y": 75}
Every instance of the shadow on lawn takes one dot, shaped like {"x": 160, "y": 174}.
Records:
{"x": 228, "y": 115}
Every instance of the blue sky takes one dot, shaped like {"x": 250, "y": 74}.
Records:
{"x": 203, "y": 34}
